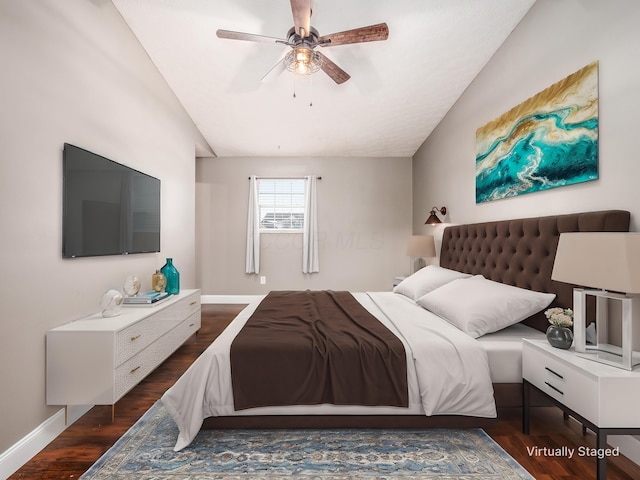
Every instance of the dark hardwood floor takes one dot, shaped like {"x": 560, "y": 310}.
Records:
{"x": 80, "y": 445}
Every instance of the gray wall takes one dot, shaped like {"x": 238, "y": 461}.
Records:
{"x": 72, "y": 71}
{"x": 364, "y": 223}
{"x": 555, "y": 39}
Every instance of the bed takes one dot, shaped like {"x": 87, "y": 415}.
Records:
{"x": 476, "y": 353}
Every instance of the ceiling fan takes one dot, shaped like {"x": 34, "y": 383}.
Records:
{"x": 303, "y": 59}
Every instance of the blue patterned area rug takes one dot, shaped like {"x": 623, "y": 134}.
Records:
{"x": 145, "y": 452}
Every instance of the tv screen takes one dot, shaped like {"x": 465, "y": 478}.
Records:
{"x": 108, "y": 208}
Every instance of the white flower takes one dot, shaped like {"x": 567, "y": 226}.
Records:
{"x": 560, "y": 317}
{"x": 553, "y": 311}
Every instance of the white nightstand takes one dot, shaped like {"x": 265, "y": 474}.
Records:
{"x": 602, "y": 398}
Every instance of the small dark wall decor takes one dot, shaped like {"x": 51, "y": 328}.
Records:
{"x": 548, "y": 141}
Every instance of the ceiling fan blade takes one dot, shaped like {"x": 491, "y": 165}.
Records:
{"x": 301, "y": 10}
{"x": 275, "y": 71}
{"x": 248, "y": 36}
{"x": 371, "y": 33}
{"x": 335, "y": 72}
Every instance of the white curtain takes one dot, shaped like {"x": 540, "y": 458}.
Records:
{"x": 310, "y": 262}
{"x": 252, "y": 264}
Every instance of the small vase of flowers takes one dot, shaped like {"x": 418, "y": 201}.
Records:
{"x": 559, "y": 333}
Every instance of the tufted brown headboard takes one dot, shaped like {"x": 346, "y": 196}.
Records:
{"x": 521, "y": 252}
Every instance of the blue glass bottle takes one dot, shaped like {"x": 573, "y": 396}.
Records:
{"x": 173, "y": 277}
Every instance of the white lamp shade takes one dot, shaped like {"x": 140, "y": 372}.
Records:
{"x": 421, "y": 246}
{"x": 606, "y": 260}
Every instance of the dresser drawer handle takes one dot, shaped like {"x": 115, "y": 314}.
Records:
{"x": 556, "y": 389}
{"x": 193, "y": 303}
{"x": 133, "y": 339}
{"x": 191, "y": 325}
{"x": 555, "y": 373}
{"x": 135, "y": 369}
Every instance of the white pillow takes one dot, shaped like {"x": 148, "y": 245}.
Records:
{"x": 425, "y": 280}
{"x": 478, "y": 306}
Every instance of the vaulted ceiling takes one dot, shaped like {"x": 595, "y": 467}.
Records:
{"x": 399, "y": 88}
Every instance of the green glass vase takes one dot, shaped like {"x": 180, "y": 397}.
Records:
{"x": 173, "y": 277}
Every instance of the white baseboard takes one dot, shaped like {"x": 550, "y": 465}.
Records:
{"x": 239, "y": 299}
{"x": 21, "y": 452}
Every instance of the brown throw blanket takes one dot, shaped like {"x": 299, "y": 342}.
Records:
{"x": 314, "y": 347}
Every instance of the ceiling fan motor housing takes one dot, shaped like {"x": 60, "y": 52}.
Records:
{"x": 293, "y": 38}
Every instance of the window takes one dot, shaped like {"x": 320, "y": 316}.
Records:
{"x": 281, "y": 204}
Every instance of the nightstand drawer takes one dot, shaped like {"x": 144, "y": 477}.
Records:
{"x": 558, "y": 379}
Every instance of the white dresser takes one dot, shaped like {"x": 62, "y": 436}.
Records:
{"x": 96, "y": 360}
{"x": 603, "y": 398}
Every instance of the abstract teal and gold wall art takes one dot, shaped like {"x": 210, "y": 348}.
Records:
{"x": 548, "y": 141}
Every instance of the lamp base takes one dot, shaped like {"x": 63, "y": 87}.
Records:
{"x": 607, "y": 348}
{"x": 610, "y": 355}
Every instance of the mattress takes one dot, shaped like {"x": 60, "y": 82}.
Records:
{"x": 504, "y": 351}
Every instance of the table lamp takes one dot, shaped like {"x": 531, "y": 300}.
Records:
{"x": 608, "y": 264}
{"x": 421, "y": 246}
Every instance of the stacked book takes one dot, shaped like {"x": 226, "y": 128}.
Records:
{"x": 145, "y": 298}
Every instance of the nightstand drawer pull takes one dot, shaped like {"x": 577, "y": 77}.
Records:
{"x": 556, "y": 389}
{"x": 555, "y": 373}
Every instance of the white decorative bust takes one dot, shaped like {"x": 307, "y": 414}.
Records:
{"x": 111, "y": 303}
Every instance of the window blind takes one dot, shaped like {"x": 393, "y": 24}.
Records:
{"x": 281, "y": 203}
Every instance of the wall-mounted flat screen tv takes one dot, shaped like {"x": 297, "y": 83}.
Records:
{"x": 108, "y": 208}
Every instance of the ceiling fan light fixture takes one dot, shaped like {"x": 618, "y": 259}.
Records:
{"x": 302, "y": 60}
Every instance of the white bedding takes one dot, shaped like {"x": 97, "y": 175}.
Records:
{"x": 461, "y": 385}
{"x": 504, "y": 350}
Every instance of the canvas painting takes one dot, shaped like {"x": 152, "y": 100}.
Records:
{"x": 548, "y": 141}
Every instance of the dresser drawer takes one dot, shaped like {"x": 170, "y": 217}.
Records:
{"x": 190, "y": 326}
{"x": 560, "y": 380}
{"x": 141, "y": 334}
{"x": 138, "y": 336}
{"x": 129, "y": 374}
{"x": 186, "y": 308}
